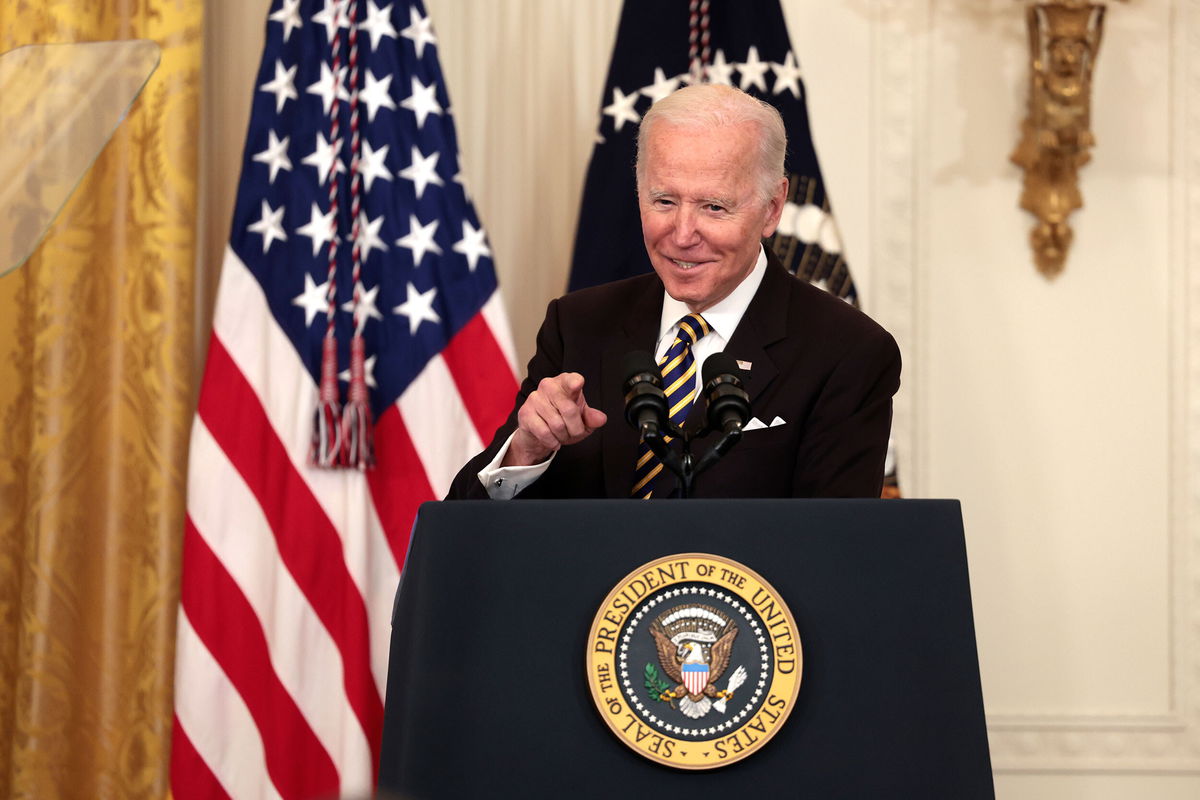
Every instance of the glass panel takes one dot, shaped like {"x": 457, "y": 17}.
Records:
{"x": 59, "y": 106}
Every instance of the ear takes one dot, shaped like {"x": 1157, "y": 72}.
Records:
{"x": 775, "y": 208}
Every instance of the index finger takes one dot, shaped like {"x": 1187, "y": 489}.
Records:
{"x": 572, "y": 384}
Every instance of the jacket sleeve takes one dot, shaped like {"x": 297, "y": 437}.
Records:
{"x": 845, "y": 440}
{"x": 546, "y": 362}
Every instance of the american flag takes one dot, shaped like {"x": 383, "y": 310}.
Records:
{"x": 289, "y": 570}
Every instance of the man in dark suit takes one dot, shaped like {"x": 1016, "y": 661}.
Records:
{"x": 819, "y": 373}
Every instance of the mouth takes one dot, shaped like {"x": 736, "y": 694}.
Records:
{"x": 684, "y": 265}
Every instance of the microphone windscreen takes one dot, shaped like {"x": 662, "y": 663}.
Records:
{"x": 720, "y": 364}
{"x": 637, "y": 363}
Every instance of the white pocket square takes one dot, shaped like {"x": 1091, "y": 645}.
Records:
{"x": 754, "y": 424}
{"x": 775, "y": 423}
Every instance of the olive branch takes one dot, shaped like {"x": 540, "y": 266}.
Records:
{"x": 655, "y": 685}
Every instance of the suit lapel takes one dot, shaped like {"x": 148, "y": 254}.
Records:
{"x": 637, "y": 329}
{"x": 764, "y": 323}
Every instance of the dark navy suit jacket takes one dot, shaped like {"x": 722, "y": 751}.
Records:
{"x": 817, "y": 363}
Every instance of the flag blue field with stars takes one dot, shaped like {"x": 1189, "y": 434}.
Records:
{"x": 426, "y": 263}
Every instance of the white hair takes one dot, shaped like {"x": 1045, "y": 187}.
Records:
{"x": 711, "y": 105}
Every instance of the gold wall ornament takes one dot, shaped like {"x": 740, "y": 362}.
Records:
{"x": 1056, "y": 135}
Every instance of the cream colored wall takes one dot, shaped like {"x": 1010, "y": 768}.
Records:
{"x": 1061, "y": 413}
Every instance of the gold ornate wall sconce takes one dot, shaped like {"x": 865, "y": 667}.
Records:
{"x": 1056, "y": 136}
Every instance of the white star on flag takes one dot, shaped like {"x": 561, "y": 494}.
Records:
{"x": 319, "y": 228}
{"x": 418, "y": 308}
{"x": 324, "y": 158}
{"x": 289, "y": 15}
{"x": 621, "y": 108}
{"x": 472, "y": 245}
{"x": 269, "y": 225}
{"x": 275, "y": 156}
{"x": 422, "y": 171}
{"x": 376, "y": 94}
{"x": 753, "y": 71}
{"x": 419, "y": 239}
{"x": 378, "y": 23}
{"x": 368, "y": 372}
{"x": 460, "y": 179}
{"x": 720, "y": 71}
{"x": 333, "y": 16}
{"x": 282, "y": 86}
{"x": 366, "y": 306}
{"x": 324, "y": 87}
{"x": 368, "y": 236}
{"x": 661, "y": 87}
{"x": 313, "y": 300}
{"x": 423, "y": 101}
{"x": 787, "y": 75}
{"x": 372, "y": 166}
{"x": 420, "y": 31}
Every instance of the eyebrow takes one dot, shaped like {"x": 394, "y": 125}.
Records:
{"x": 656, "y": 194}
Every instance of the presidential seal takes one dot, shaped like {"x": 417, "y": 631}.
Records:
{"x": 694, "y": 661}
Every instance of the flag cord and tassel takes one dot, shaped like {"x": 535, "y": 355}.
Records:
{"x": 357, "y": 445}
{"x": 327, "y": 429}
{"x": 699, "y": 50}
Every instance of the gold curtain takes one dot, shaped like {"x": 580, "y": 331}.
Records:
{"x": 96, "y": 387}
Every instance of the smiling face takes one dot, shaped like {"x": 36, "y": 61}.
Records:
{"x": 702, "y": 211}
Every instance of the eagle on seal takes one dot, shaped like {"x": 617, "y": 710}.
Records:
{"x": 694, "y": 659}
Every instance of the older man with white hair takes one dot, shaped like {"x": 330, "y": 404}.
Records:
{"x": 820, "y": 374}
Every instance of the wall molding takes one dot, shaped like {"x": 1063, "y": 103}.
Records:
{"x": 894, "y": 240}
{"x": 1167, "y": 742}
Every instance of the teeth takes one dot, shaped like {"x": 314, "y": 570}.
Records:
{"x": 685, "y": 264}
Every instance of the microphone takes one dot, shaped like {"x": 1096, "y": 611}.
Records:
{"x": 645, "y": 403}
{"x": 728, "y": 403}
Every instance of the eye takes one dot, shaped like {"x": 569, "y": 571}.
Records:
{"x": 714, "y": 208}
{"x": 663, "y": 202}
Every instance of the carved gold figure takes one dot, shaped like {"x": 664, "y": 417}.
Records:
{"x": 1056, "y": 136}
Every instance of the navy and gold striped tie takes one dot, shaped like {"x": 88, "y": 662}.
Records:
{"x": 679, "y": 384}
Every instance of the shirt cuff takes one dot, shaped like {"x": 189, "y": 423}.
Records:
{"x": 505, "y": 483}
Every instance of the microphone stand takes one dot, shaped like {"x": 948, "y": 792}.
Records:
{"x": 646, "y": 409}
{"x": 684, "y": 464}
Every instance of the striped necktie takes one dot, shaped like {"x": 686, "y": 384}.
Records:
{"x": 679, "y": 384}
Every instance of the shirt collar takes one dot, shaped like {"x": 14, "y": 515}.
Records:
{"x": 724, "y": 316}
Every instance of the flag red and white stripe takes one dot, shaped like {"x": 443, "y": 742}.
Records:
{"x": 290, "y": 571}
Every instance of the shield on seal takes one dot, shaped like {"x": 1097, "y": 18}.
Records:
{"x": 695, "y": 677}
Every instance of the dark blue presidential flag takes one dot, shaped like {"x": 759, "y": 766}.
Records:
{"x": 661, "y": 46}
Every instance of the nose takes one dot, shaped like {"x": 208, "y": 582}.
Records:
{"x": 685, "y": 232}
